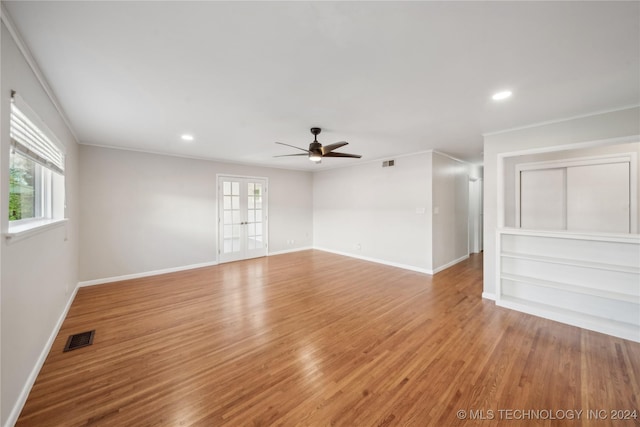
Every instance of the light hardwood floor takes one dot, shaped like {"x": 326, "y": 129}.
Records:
{"x": 317, "y": 339}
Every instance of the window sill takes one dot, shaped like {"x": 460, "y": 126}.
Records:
{"x": 22, "y": 231}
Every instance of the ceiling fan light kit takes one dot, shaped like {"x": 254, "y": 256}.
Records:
{"x": 316, "y": 151}
{"x": 315, "y": 157}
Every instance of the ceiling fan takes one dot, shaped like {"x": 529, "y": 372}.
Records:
{"x": 316, "y": 151}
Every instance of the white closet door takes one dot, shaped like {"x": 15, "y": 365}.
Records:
{"x": 542, "y": 199}
{"x": 598, "y": 198}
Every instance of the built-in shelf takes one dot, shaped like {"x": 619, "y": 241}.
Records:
{"x": 575, "y": 235}
{"x": 535, "y": 266}
{"x": 583, "y": 290}
{"x": 573, "y": 262}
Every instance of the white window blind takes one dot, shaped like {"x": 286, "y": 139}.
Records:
{"x": 28, "y": 139}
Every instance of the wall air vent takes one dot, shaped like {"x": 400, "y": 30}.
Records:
{"x": 388, "y": 163}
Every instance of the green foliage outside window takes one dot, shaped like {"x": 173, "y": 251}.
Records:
{"x": 21, "y": 188}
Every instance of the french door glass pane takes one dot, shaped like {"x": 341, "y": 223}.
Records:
{"x": 231, "y": 216}
{"x": 231, "y": 245}
{"x": 254, "y": 231}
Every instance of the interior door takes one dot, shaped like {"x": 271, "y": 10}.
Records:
{"x": 242, "y": 218}
{"x": 475, "y": 215}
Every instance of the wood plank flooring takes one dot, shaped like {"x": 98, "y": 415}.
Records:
{"x": 317, "y": 339}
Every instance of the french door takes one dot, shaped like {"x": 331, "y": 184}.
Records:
{"x": 242, "y": 218}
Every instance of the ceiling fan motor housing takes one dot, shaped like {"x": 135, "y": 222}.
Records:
{"x": 315, "y": 148}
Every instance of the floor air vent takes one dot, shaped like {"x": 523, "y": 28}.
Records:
{"x": 80, "y": 340}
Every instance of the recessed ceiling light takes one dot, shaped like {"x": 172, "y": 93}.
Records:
{"x": 501, "y": 95}
{"x": 187, "y": 137}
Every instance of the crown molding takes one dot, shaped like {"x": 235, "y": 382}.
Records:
{"x": 5, "y": 17}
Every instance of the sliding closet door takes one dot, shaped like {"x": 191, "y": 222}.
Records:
{"x": 590, "y": 197}
{"x": 542, "y": 199}
{"x": 242, "y": 218}
{"x": 598, "y": 198}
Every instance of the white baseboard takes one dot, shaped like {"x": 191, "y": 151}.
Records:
{"x": 450, "y": 264}
{"x": 145, "y": 274}
{"x": 378, "y": 261}
{"x": 489, "y": 295}
{"x": 288, "y": 251}
{"x": 31, "y": 379}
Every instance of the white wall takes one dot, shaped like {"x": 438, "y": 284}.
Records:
{"x": 145, "y": 212}
{"x": 389, "y": 214}
{"x": 374, "y": 212}
{"x": 553, "y": 136}
{"x": 39, "y": 272}
{"x": 450, "y": 210}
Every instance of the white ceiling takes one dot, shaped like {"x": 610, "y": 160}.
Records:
{"x": 389, "y": 77}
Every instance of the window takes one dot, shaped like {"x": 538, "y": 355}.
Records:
{"x": 36, "y": 171}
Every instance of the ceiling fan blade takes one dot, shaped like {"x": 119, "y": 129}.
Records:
{"x": 354, "y": 156}
{"x": 289, "y": 155}
{"x": 329, "y": 148}
{"x": 293, "y": 146}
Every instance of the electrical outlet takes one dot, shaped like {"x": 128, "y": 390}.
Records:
{"x": 358, "y": 247}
